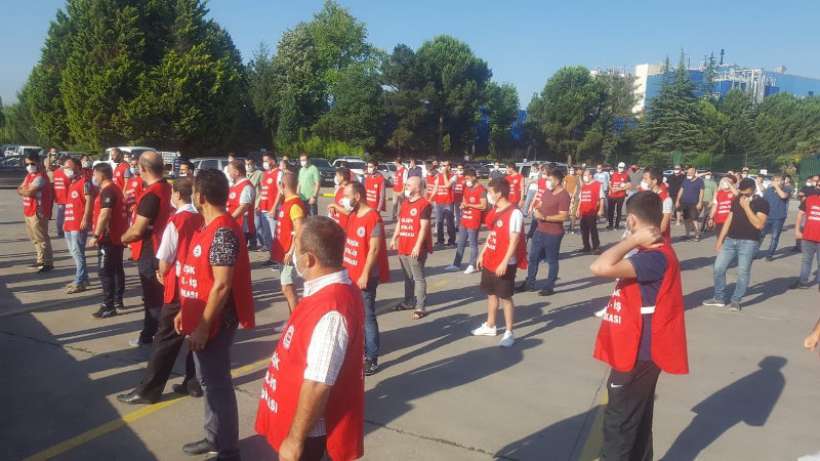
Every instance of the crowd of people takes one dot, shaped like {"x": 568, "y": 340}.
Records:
{"x": 190, "y": 240}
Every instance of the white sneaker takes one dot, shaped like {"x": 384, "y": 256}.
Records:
{"x": 470, "y": 269}
{"x": 484, "y": 330}
{"x": 452, "y": 268}
{"x": 600, "y": 313}
{"x": 507, "y": 340}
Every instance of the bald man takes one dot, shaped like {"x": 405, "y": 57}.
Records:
{"x": 152, "y": 211}
{"x": 413, "y": 240}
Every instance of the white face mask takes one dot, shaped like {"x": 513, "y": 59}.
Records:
{"x": 407, "y": 193}
{"x": 550, "y": 184}
{"x": 182, "y": 174}
{"x": 31, "y": 168}
{"x": 336, "y": 181}
{"x": 370, "y": 170}
{"x": 724, "y": 185}
{"x": 677, "y": 171}
{"x": 296, "y": 267}
{"x": 266, "y": 165}
{"x": 620, "y": 169}
{"x": 691, "y": 176}
{"x": 708, "y": 176}
{"x": 95, "y": 182}
{"x": 460, "y": 172}
{"x": 133, "y": 170}
{"x": 645, "y": 185}
{"x": 587, "y": 179}
{"x": 468, "y": 183}
{"x": 68, "y": 173}
{"x": 303, "y": 163}
{"x": 86, "y": 164}
{"x": 346, "y": 203}
{"x": 491, "y": 199}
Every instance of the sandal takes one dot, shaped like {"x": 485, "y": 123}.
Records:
{"x": 418, "y": 315}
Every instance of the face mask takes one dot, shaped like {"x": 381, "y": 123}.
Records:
{"x": 550, "y": 184}
{"x": 677, "y": 171}
{"x": 133, "y": 170}
{"x": 645, "y": 185}
{"x": 491, "y": 199}
{"x": 266, "y": 165}
{"x": 620, "y": 169}
{"x": 68, "y": 173}
{"x": 809, "y": 184}
{"x": 95, "y": 182}
{"x": 708, "y": 176}
{"x": 182, "y": 174}
{"x": 460, "y": 172}
{"x": 31, "y": 168}
{"x": 296, "y": 267}
{"x": 691, "y": 177}
{"x": 86, "y": 164}
{"x": 544, "y": 176}
{"x": 407, "y": 193}
{"x": 371, "y": 170}
{"x": 346, "y": 203}
{"x": 587, "y": 179}
{"x": 572, "y": 172}
{"x": 303, "y": 163}
{"x": 336, "y": 181}
{"x": 468, "y": 183}
{"x": 724, "y": 185}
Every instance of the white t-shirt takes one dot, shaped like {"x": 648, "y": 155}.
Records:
{"x": 247, "y": 194}
{"x": 167, "y": 250}
{"x": 516, "y": 226}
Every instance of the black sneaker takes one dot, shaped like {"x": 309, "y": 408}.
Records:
{"x": 202, "y": 447}
{"x": 524, "y": 288}
{"x": 547, "y": 292}
{"x": 104, "y": 312}
{"x": 798, "y": 285}
{"x": 119, "y": 306}
{"x": 44, "y": 268}
{"x": 370, "y": 367}
{"x": 267, "y": 263}
{"x": 191, "y": 388}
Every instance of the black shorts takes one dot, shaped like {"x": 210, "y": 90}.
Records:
{"x": 503, "y": 286}
{"x": 690, "y": 211}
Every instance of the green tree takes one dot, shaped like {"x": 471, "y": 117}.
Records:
{"x": 2, "y": 114}
{"x": 409, "y": 125}
{"x": 502, "y": 109}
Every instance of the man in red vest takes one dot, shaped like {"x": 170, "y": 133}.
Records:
{"x": 88, "y": 166}
{"x": 215, "y": 296}
{"x": 517, "y": 185}
{"x": 172, "y": 249}
{"x": 443, "y": 199}
{"x": 78, "y": 208}
{"x": 110, "y": 221}
{"x": 241, "y": 198}
{"x": 653, "y": 181}
{"x": 152, "y": 212}
{"x": 133, "y": 186}
{"x": 398, "y": 186}
{"x": 36, "y": 193}
{"x": 590, "y": 207}
{"x": 458, "y": 196}
{"x": 642, "y": 331}
{"x": 268, "y": 197}
{"x": 616, "y": 192}
{"x": 807, "y": 229}
{"x": 503, "y": 254}
{"x": 473, "y": 204}
{"x": 59, "y": 183}
{"x": 312, "y": 400}
{"x": 374, "y": 183}
{"x": 413, "y": 240}
{"x": 365, "y": 259}
{"x": 429, "y": 181}
{"x": 722, "y": 203}
{"x": 288, "y": 225}
{"x": 121, "y": 168}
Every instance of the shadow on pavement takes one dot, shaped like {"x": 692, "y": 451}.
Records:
{"x": 749, "y": 400}
{"x": 554, "y": 442}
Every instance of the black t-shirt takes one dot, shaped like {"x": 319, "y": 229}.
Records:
{"x": 108, "y": 199}
{"x": 148, "y": 208}
{"x": 675, "y": 182}
{"x": 741, "y": 228}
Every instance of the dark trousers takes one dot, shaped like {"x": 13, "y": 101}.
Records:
{"x": 314, "y": 449}
{"x": 213, "y": 368}
{"x": 546, "y": 247}
{"x": 371, "y": 325}
{"x": 167, "y": 344}
{"x": 444, "y": 216}
{"x": 613, "y": 211}
{"x": 589, "y": 228}
{"x": 152, "y": 294}
{"x": 628, "y": 415}
{"x": 112, "y": 274}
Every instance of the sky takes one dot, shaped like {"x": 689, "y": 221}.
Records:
{"x": 523, "y": 41}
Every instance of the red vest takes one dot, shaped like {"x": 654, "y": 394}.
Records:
{"x": 132, "y": 190}
{"x": 340, "y": 218}
{"x": 75, "y": 205}
{"x": 498, "y": 240}
{"x": 196, "y": 278}
{"x": 186, "y": 224}
{"x": 119, "y": 174}
{"x": 515, "y": 181}
{"x": 344, "y": 413}
{"x": 233, "y": 203}
{"x": 283, "y": 234}
{"x": 811, "y": 231}
{"x": 458, "y": 189}
{"x": 724, "y": 200}
{"x": 620, "y": 333}
{"x": 374, "y": 185}
{"x": 38, "y": 205}
{"x": 357, "y": 245}
{"x": 471, "y": 217}
{"x": 589, "y": 198}
{"x": 429, "y": 183}
{"x": 410, "y": 226}
{"x": 162, "y": 190}
{"x": 444, "y": 194}
{"x": 60, "y": 183}
{"x": 617, "y": 179}
{"x": 88, "y": 173}
{"x": 398, "y": 183}
{"x": 268, "y": 189}
{"x": 118, "y": 223}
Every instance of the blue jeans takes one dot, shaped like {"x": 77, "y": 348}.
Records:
{"x": 811, "y": 252}
{"x": 371, "y": 325}
{"x": 444, "y": 216}
{"x": 264, "y": 229}
{"x": 745, "y": 251}
{"x": 75, "y": 240}
{"x": 465, "y": 235}
{"x": 528, "y": 200}
{"x": 457, "y": 212}
{"x": 775, "y": 226}
{"x": 546, "y": 247}
{"x": 60, "y": 219}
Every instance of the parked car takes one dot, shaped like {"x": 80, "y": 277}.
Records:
{"x": 7, "y": 149}
{"x": 326, "y": 171}
{"x": 12, "y": 172}
{"x": 210, "y": 163}
{"x": 388, "y": 170}
{"x": 356, "y": 166}
{"x": 22, "y": 151}
{"x": 481, "y": 171}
